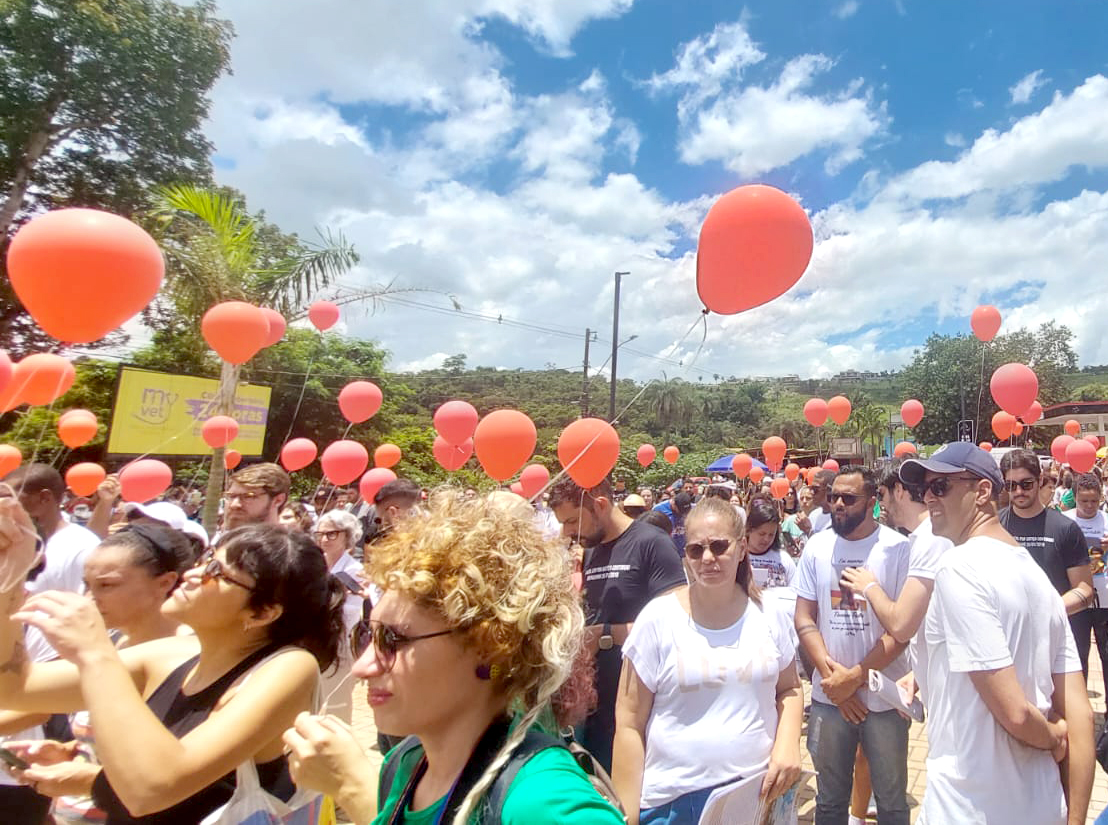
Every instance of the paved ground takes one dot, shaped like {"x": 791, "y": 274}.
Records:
{"x": 917, "y": 751}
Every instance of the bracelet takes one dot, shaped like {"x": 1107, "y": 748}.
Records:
{"x": 868, "y": 586}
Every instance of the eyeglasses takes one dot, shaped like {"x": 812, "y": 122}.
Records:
{"x": 386, "y": 641}
{"x": 849, "y": 499}
{"x": 1025, "y": 484}
{"x": 940, "y": 485}
{"x": 212, "y": 568}
{"x": 244, "y": 498}
{"x": 718, "y": 547}
{"x": 329, "y": 535}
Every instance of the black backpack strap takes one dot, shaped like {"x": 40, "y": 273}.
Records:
{"x": 388, "y": 772}
{"x": 535, "y": 741}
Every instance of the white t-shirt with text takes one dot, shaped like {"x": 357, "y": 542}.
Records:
{"x": 1093, "y": 529}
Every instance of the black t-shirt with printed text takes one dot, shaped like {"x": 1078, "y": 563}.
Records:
{"x": 1055, "y": 542}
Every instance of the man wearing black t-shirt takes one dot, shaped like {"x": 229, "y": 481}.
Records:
{"x": 627, "y": 563}
{"x": 1054, "y": 541}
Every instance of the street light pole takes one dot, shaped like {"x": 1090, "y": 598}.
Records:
{"x": 615, "y": 349}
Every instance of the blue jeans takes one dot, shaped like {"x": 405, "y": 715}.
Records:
{"x": 684, "y": 810}
{"x": 833, "y": 742}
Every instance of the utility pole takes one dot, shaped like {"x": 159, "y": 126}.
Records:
{"x": 589, "y": 337}
{"x": 615, "y": 348}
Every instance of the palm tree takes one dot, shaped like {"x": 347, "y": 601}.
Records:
{"x": 869, "y": 422}
{"x": 217, "y": 252}
{"x": 671, "y": 404}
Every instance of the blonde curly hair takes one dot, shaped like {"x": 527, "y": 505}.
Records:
{"x": 489, "y": 572}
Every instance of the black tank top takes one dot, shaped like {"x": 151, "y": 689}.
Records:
{"x": 181, "y": 714}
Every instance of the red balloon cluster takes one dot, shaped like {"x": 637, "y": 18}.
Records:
{"x": 588, "y": 450}
{"x": 1033, "y": 414}
{"x": 792, "y": 471}
{"x": 277, "y": 325}
{"x": 756, "y": 474}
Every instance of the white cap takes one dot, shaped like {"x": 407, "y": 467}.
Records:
{"x": 169, "y": 514}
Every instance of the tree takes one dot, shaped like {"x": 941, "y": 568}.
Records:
{"x": 671, "y": 403}
{"x": 100, "y": 100}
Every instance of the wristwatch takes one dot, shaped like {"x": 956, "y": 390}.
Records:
{"x": 606, "y": 640}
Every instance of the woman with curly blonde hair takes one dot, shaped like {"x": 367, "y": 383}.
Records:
{"x": 477, "y": 628}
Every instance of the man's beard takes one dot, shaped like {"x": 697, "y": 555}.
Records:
{"x": 590, "y": 540}
{"x": 847, "y": 523}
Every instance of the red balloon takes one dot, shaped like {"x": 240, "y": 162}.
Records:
{"x": 359, "y": 401}
{"x": 343, "y": 461}
{"x": 904, "y": 448}
{"x": 84, "y": 478}
{"x": 323, "y": 315}
{"x": 503, "y": 441}
{"x": 533, "y": 479}
{"x": 1081, "y": 455}
{"x": 773, "y": 448}
{"x": 298, "y": 454}
{"x": 987, "y": 446}
{"x": 1072, "y": 428}
{"x": 455, "y": 421}
{"x": 1094, "y": 440}
{"x": 41, "y": 379}
{"x": 985, "y": 322}
{"x": 671, "y": 454}
{"x": 6, "y": 368}
{"x": 373, "y": 481}
{"x": 451, "y": 456}
{"x": 831, "y": 464}
{"x": 219, "y": 431}
{"x": 1017, "y": 428}
{"x": 277, "y": 325}
{"x": 144, "y": 480}
{"x": 756, "y": 474}
{"x": 839, "y": 409}
{"x": 815, "y": 411}
{"x": 1003, "y": 424}
{"x": 10, "y": 458}
{"x": 792, "y": 471}
{"x": 236, "y": 330}
{"x": 386, "y": 455}
{"x": 646, "y": 454}
{"x": 741, "y": 465}
{"x": 1033, "y": 414}
{"x": 912, "y": 412}
{"x": 1059, "y": 446}
{"x": 779, "y": 487}
{"x": 232, "y": 459}
{"x": 516, "y": 488}
{"x": 755, "y": 244}
{"x": 81, "y": 273}
{"x": 77, "y": 428}
{"x": 1014, "y": 387}
{"x": 588, "y": 450}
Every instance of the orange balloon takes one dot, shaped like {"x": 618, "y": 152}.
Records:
{"x": 6, "y": 369}
{"x": 815, "y": 411}
{"x": 1017, "y": 428}
{"x": 41, "y": 379}
{"x": 343, "y": 461}
{"x": 219, "y": 431}
{"x": 912, "y": 412}
{"x": 985, "y": 322}
{"x": 839, "y": 409}
{"x": 773, "y": 448}
{"x": 904, "y": 448}
{"x": 10, "y": 458}
{"x": 987, "y": 446}
{"x": 1094, "y": 440}
{"x": 323, "y": 315}
{"x": 792, "y": 471}
{"x": 1033, "y": 414}
{"x": 671, "y": 454}
{"x": 298, "y": 454}
{"x": 755, "y": 244}
{"x": 756, "y": 474}
{"x": 741, "y": 465}
{"x": 450, "y": 457}
{"x": 646, "y": 454}
{"x": 77, "y": 428}
{"x": 386, "y": 455}
{"x": 1003, "y": 424}
{"x": 277, "y": 325}
{"x": 779, "y": 487}
{"x": 503, "y": 441}
{"x": 84, "y": 478}
{"x": 1072, "y": 428}
{"x": 232, "y": 459}
{"x": 588, "y": 450}
{"x": 236, "y": 330}
{"x": 81, "y": 273}
{"x": 144, "y": 480}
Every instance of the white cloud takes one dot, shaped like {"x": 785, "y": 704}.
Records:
{"x": 954, "y": 139}
{"x": 1027, "y": 86}
{"x": 847, "y": 9}
{"x": 431, "y": 362}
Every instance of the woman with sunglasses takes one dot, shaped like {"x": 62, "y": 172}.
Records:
{"x": 709, "y": 691}
{"x": 477, "y": 629}
{"x": 175, "y": 716}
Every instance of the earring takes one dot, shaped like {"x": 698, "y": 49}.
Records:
{"x": 486, "y": 672}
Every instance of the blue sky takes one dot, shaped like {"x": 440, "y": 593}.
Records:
{"x": 512, "y": 154}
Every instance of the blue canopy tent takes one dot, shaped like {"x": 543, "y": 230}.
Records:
{"x": 723, "y": 465}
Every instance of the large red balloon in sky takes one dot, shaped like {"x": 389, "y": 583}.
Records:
{"x": 455, "y": 421}
{"x": 646, "y": 454}
{"x": 359, "y": 401}
{"x": 236, "y": 330}
{"x": 588, "y": 449}
{"x": 815, "y": 411}
{"x": 985, "y": 322}
{"x": 503, "y": 441}
{"x": 912, "y": 412}
{"x": 1014, "y": 387}
{"x": 754, "y": 245}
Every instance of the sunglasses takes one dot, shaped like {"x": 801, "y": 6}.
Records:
{"x": 212, "y": 568}
{"x": 849, "y": 499}
{"x": 940, "y": 486}
{"x": 1026, "y": 484}
{"x": 386, "y": 641}
{"x": 695, "y": 551}
{"x": 329, "y": 535}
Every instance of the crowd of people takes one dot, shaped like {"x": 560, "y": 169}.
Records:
{"x": 597, "y": 655}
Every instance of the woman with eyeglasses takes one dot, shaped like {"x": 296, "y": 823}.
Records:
{"x": 709, "y": 691}
{"x": 477, "y": 629}
{"x": 175, "y": 716}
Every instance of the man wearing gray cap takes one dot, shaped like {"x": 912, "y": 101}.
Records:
{"x": 997, "y": 667}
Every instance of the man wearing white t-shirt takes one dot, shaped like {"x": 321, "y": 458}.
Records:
{"x": 999, "y": 664}
{"x": 845, "y": 640}
{"x": 1094, "y": 527}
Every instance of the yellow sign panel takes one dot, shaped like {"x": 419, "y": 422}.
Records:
{"x": 161, "y": 414}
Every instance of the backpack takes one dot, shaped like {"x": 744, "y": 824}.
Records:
{"x": 534, "y": 742}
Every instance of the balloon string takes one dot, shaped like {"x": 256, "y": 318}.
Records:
{"x": 331, "y": 492}
{"x": 303, "y": 387}
{"x": 980, "y": 392}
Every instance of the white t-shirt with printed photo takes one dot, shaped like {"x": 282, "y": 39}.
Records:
{"x": 774, "y": 571}
{"x": 992, "y": 608}
{"x": 714, "y": 716}
{"x": 1094, "y": 529}
{"x": 845, "y": 619}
